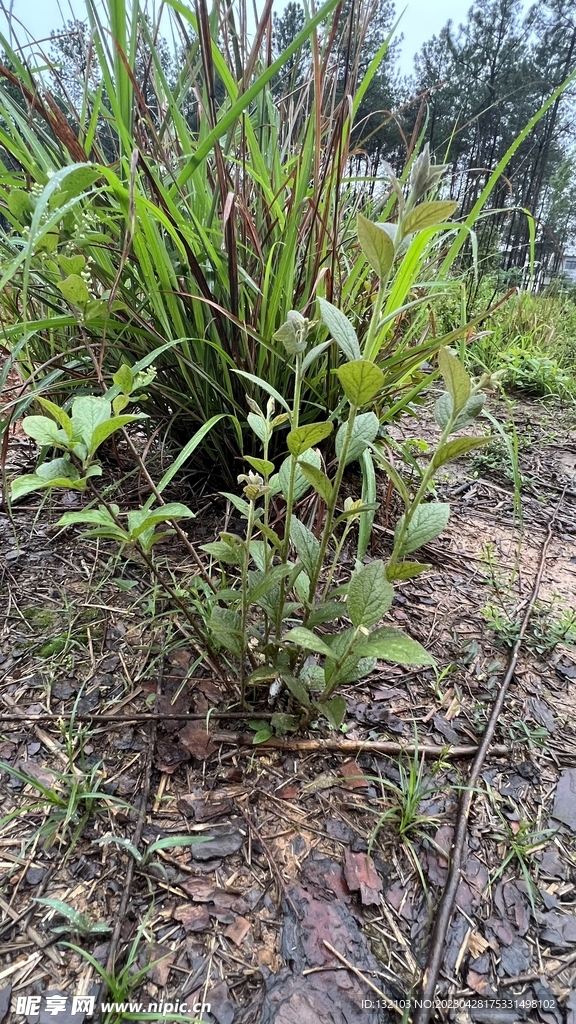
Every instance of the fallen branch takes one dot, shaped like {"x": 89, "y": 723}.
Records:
{"x": 427, "y": 989}
{"x": 349, "y": 746}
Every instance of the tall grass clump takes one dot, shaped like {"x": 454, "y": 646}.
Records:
{"x": 178, "y": 218}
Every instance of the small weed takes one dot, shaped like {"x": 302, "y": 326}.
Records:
{"x": 67, "y": 799}
{"x": 120, "y": 985}
{"x": 404, "y": 815}
{"x": 145, "y": 860}
{"x": 535, "y": 738}
{"x": 520, "y": 843}
{"x": 78, "y": 923}
{"x": 545, "y": 631}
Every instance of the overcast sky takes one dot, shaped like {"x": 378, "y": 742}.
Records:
{"x": 421, "y": 20}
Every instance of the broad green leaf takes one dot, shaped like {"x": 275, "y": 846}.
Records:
{"x": 87, "y": 414}
{"x": 456, "y": 379}
{"x": 258, "y": 549}
{"x": 443, "y": 410}
{"x": 45, "y": 431}
{"x": 262, "y": 735}
{"x": 314, "y": 353}
{"x": 282, "y": 723}
{"x": 361, "y": 381}
{"x": 303, "y": 438}
{"x": 56, "y": 469}
{"x": 267, "y": 581}
{"x": 405, "y": 570}
{"x": 326, "y": 612}
{"x": 76, "y": 182}
{"x": 391, "y": 644}
{"x": 59, "y": 415}
{"x": 19, "y": 203}
{"x": 143, "y": 519}
{"x": 334, "y": 710}
{"x": 341, "y": 330}
{"x": 376, "y": 245}
{"x": 427, "y": 523}
{"x": 454, "y": 449}
{"x": 90, "y": 517}
{"x": 281, "y": 480}
{"x": 305, "y": 638}
{"x": 428, "y": 215}
{"x": 444, "y": 407}
{"x": 119, "y": 403}
{"x": 369, "y": 594}
{"x": 124, "y": 379}
{"x": 306, "y": 544}
{"x": 270, "y": 535}
{"x": 297, "y": 689}
{"x": 364, "y": 432}
{"x": 353, "y": 668}
{"x": 238, "y": 502}
{"x": 225, "y": 626}
{"x": 222, "y": 552}
{"x": 319, "y": 481}
{"x": 57, "y": 473}
{"x": 72, "y": 264}
{"x": 104, "y": 430}
{"x": 302, "y": 586}
{"x": 471, "y": 410}
{"x": 262, "y": 466}
{"x": 74, "y": 289}
{"x": 259, "y": 426}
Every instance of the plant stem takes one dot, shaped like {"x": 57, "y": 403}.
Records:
{"x": 245, "y": 603}
{"x": 327, "y": 531}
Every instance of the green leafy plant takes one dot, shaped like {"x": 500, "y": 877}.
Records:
{"x": 146, "y": 859}
{"x": 404, "y": 815}
{"x": 79, "y": 434}
{"x": 79, "y": 923}
{"x": 520, "y": 842}
{"x": 273, "y": 610}
{"x": 121, "y": 983}
{"x": 67, "y": 802}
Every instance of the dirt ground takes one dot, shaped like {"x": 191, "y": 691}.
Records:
{"x": 281, "y": 916}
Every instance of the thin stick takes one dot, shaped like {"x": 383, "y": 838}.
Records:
{"x": 381, "y": 995}
{"x": 437, "y": 948}
{"x": 430, "y": 750}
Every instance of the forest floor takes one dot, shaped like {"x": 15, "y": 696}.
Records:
{"x": 242, "y": 921}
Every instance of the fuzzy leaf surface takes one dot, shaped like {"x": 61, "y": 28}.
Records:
{"x": 369, "y": 594}
{"x": 341, "y": 330}
{"x": 427, "y": 523}
{"x": 364, "y": 432}
{"x": 303, "y": 438}
{"x": 361, "y": 381}
{"x": 390, "y": 644}
{"x": 376, "y": 245}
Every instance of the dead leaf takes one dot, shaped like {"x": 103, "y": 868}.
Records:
{"x": 194, "y": 918}
{"x": 196, "y": 740}
{"x": 355, "y": 778}
{"x": 565, "y": 799}
{"x": 200, "y": 889}
{"x": 160, "y": 972}
{"x": 477, "y": 982}
{"x": 360, "y": 874}
{"x": 238, "y": 930}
